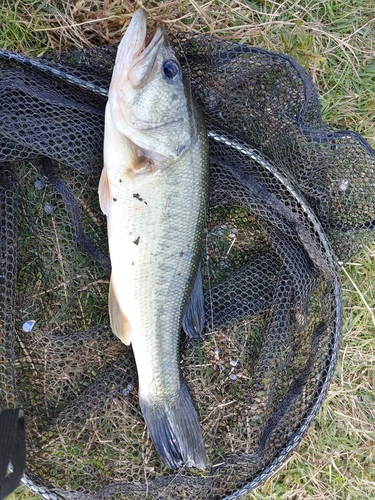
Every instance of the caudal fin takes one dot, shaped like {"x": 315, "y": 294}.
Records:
{"x": 175, "y": 430}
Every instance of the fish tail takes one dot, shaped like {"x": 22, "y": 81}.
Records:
{"x": 174, "y": 428}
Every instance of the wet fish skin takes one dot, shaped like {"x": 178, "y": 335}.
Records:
{"x": 153, "y": 190}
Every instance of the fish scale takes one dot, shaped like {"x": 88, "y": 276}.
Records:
{"x": 164, "y": 258}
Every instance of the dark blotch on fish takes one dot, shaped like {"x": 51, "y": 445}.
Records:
{"x": 138, "y": 197}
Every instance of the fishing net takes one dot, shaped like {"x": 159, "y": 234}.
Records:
{"x": 289, "y": 197}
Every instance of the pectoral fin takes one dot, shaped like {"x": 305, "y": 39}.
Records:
{"x": 104, "y": 192}
{"x": 193, "y": 318}
{"x": 119, "y": 322}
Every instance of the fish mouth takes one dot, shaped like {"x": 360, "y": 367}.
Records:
{"x": 138, "y": 49}
{"x": 139, "y": 42}
{"x": 134, "y": 40}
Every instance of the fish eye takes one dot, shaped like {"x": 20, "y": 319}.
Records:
{"x": 171, "y": 70}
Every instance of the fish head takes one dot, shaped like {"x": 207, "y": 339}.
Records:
{"x": 150, "y": 102}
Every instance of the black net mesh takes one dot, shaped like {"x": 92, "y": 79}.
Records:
{"x": 288, "y": 197}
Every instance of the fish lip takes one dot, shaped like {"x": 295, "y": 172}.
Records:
{"x": 153, "y": 43}
{"x": 135, "y": 35}
{"x": 133, "y": 41}
{"x": 144, "y": 61}
{"x": 138, "y": 49}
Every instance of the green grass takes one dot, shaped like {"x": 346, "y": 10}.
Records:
{"x": 335, "y": 41}
{"x": 17, "y": 21}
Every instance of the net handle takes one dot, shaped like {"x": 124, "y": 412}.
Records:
{"x": 12, "y": 449}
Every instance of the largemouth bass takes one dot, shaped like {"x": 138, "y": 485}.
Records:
{"x": 153, "y": 190}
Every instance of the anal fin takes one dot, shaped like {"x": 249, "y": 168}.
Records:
{"x": 119, "y": 321}
{"x": 194, "y": 318}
